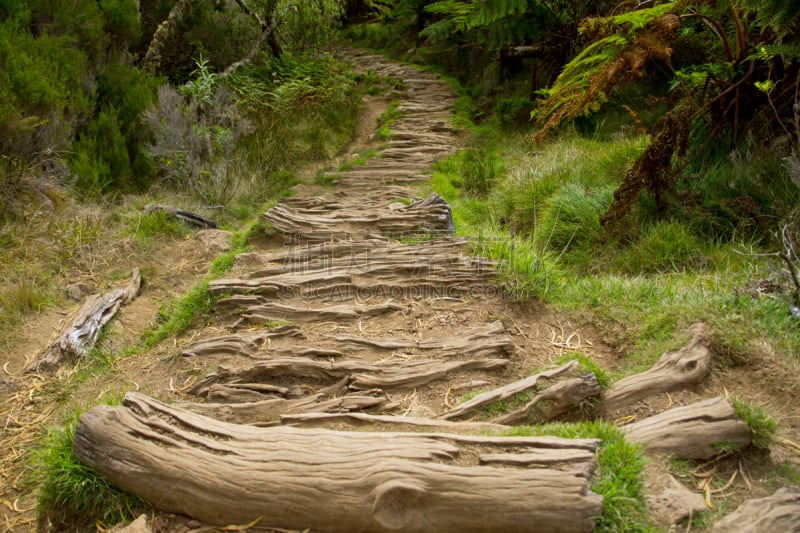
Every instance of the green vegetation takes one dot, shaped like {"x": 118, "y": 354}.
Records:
{"x": 180, "y": 314}
{"x": 618, "y": 477}
{"x": 762, "y": 426}
{"x": 74, "y": 494}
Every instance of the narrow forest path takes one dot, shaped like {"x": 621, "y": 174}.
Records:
{"x": 358, "y": 361}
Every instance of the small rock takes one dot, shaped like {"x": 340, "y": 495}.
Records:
{"x": 249, "y": 260}
{"x": 779, "y": 512}
{"x": 674, "y": 504}
{"x": 216, "y": 241}
{"x": 137, "y": 526}
{"x": 79, "y": 291}
{"x": 194, "y": 524}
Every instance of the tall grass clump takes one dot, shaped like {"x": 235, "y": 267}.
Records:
{"x": 73, "y": 496}
{"x": 665, "y": 246}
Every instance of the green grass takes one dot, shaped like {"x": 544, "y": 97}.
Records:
{"x": 180, "y": 314}
{"x": 358, "y": 161}
{"x": 762, "y": 426}
{"x": 540, "y": 221}
{"x": 387, "y": 120}
{"x": 618, "y": 478}
{"x": 71, "y": 494}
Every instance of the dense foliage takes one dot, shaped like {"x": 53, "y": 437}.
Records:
{"x": 92, "y": 93}
{"x": 711, "y": 84}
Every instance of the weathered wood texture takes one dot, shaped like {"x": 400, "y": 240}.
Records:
{"x": 431, "y": 215}
{"x": 674, "y": 370}
{"x": 556, "y": 386}
{"x": 361, "y": 375}
{"x": 361, "y": 420}
{"x": 779, "y": 512}
{"x": 691, "y": 431}
{"x": 339, "y": 481}
{"x": 81, "y": 335}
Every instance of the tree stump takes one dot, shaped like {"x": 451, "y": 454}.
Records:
{"x": 693, "y": 431}
{"x": 674, "y": 370}
{"x": 326, "y": 480}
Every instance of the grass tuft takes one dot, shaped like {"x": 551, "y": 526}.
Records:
{"x": 762, "y": 426}
{"x": 73, "y": 495}
{"x": 181, "y": 314}
{"x": 618, "y": 478}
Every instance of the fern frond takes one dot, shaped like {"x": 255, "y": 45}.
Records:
{"x": 585, "y": 82}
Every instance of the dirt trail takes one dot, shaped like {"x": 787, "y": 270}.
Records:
{"x": 366, "y": 305}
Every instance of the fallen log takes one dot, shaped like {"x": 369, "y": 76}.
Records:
{"x": 82, "y": 334}
{"x": 674, "y": 370}
{"x": 193, "y": 219}
{"x": 778, "y": 512}
{"x": 267, "y": 412}
{"x": 554, "y": 401}
{"x": 259, "y": 310}
{"x": 431, "y": 215}
{"x": 693, "y": 431}
{"x": 326, "y": 480}
{"x": 234, "y": 344}
{"x": 577, "y": 391}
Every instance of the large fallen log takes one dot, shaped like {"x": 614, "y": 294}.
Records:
{"x": 779, "y": 512}
{"x": 258, "y": 310}
{"x": 674, "y": 370}
{"x": 557, "y": 386}
{"x": 333, "y": 481}
{"x": 82, "y": 334}
{"x": 695, "y": 431}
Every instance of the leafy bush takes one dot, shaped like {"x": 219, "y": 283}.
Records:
{"x": 195, "y": 140}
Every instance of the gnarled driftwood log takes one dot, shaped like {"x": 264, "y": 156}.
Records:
{"x": 674, "y": 370}
{"x": 779, "y": 512}
{"x": 693, "y": 431}
{"x": 556, "y": 386}
{"x": 334, "y": 481}
{"x": 80, "y": 337}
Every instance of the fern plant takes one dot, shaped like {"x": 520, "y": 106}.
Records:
{"x": 626, "y": 42}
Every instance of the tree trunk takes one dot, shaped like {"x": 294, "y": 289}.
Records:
{"x": 693, "y": 431}
{"x": 674, "y": 370}
{"x": 339, "y": 481}
{"x": 152, "y": 58}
